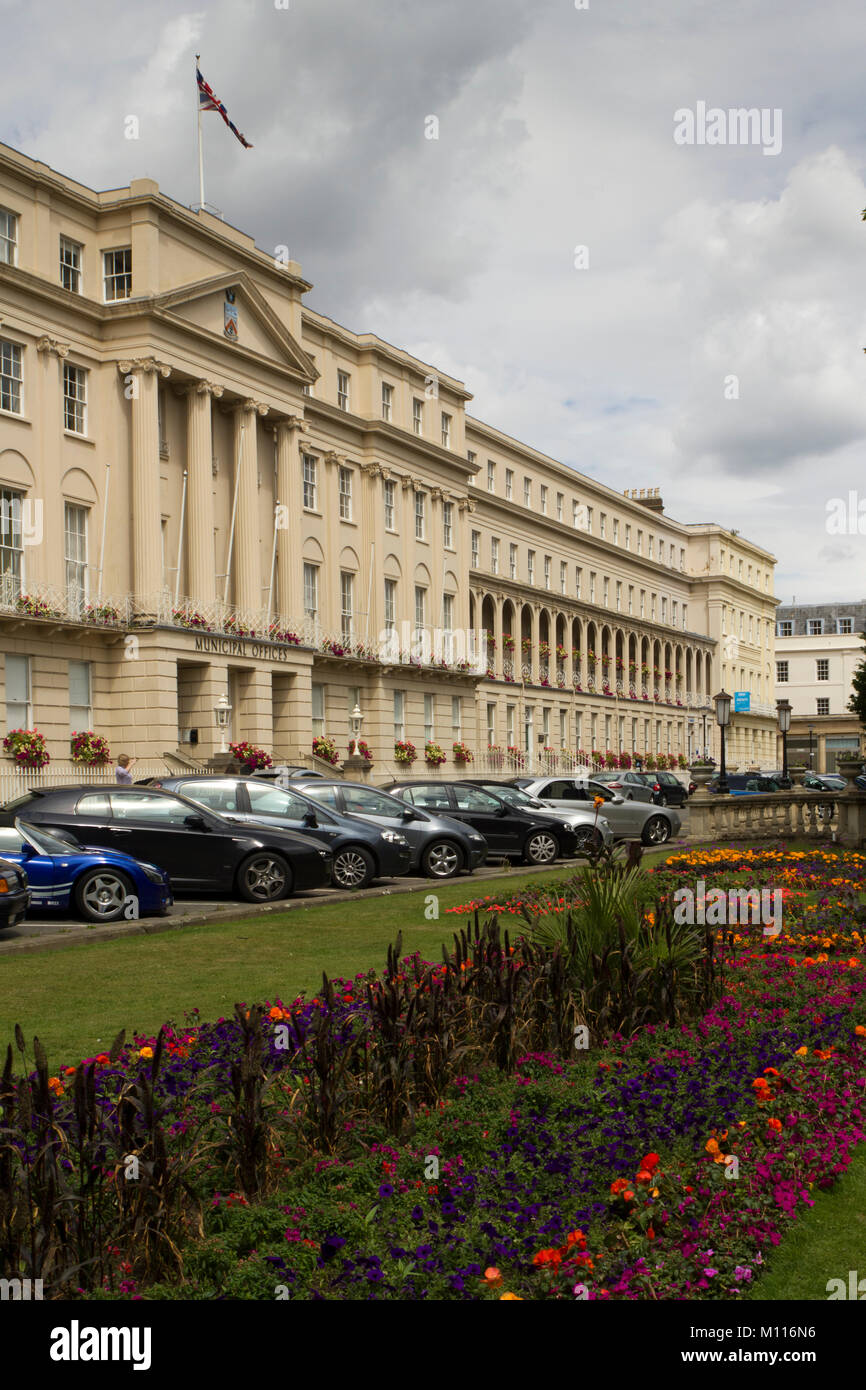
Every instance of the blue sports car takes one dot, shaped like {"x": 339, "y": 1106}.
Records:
{"x": 101, "y": 885}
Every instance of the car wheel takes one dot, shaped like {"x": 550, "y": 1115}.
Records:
{"x": 662, "y": 801}
{"x": 656, "y": 831}
{"x": 586, "y": 840}
{"x": 353, "y": 867}
{"x": 442, "y": 859}
{"x": 541, "y": 848}
{"x": 100, "y": 894}
{"x": 264, "y": 877}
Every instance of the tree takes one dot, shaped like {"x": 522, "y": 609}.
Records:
{"x": 857, "y": 702}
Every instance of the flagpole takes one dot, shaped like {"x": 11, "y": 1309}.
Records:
{"x": 200, "y": 159}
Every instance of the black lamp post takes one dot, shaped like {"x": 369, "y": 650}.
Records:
{"x": 811, "y": 754}
{"x": 722, "y": 702}
{"x": 783, "y": 710}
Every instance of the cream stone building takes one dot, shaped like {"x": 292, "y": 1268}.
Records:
{"x": 207, "y": 489}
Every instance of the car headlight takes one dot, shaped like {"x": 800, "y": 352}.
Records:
{"x": 153, "y": 873}
{"x": 395, "y": 838}
{"x": 9, "y": 881}
{"x": 476, "y": 839}
{"x": 325, "y": 853}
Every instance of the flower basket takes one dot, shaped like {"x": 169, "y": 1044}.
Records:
{"x": 508, "y": 642}
{"x": 494, "y": 755}
{"x": 462, "y": 754}
{"x": 326, "y": 749}
{"x": 250, "y": 758}
{"x": 101, "y": 613}
{"x": 187, "y": 617}
{"x": 405, "y": 753}
{"x": 515, "y": 756}
{"x": 27, "y": 747}
{"x": 434, "y": 754}
{"x": 88, "y": 747}
{"x": 360, "y": 749}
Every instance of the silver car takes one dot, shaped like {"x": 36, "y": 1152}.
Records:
{"x": 629, "y": 784}
{"x": 583, "y": 822}
{"x": 629, "y": 820}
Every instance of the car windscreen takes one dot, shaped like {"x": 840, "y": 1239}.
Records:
{"x": 269, "y": 800}
{"x": 512, "y": 796}
{"x": 46, "y": 841}
{"x": 26, "y": 799}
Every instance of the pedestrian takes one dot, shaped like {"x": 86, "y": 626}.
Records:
{"x": 123, "y": 771}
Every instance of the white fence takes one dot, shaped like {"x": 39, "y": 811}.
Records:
{"x": 14, "y": 781}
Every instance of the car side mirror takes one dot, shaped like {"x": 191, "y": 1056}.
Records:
{"x": 502, "y": 811}
{"x": 408, "y": 814}
{"x": 310, "y": 818}
{"x": 27, "y": 850}
{"x": 195, "y": 822}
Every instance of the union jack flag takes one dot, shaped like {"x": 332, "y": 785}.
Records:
{"x": 208, "y": 101}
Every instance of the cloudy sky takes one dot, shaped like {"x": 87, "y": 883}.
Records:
{"x": 708, "y": 338}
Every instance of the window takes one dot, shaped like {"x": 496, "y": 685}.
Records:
{"x": 343, "y": 380}
{"x": 417, "y": 415}
{"x": 602, "y": 524}
{"x": 605, "y": 591}
{"x": 822, "y": 670}
{"x": 311, "y": 482}
{"x": 491, "y": 476}
{"x": 446, "y": 431}
{"x": 318, "y": 711}
{"x": 563, "y": 576}
{"x": 664, "y": 609}
{"x": 494, "y": 555}
{"x": 17, "y": 693}
{"x": 390, "y": 604}
{"x": 559, "y": 501}
{"x": 631, "y": 598}
{"x": 420, "y": 606}
{"x": 456, "y": 718}
{"x": 512, "y": 561}
{"x": 592, "y": 586}
{"x": 311, "y": 591}
{"x": 428, "y": 718}
{"x": 628, "y": 537}
{"x": 70, "y": 265}
{"x": 653, "y": 607}
{"x": 448, "y": 626}
{"x": 471, "y": 456}
{"x": 823, "y": 706}
{"x": 389, "y": 493}
{"x": 345, "y": 494}
{"x": 448, "y": 525}
{"x": 618, "y": 596}
{"x": 615, "y": 531}
{"x": 575, "y": 513}
{"x": 150, "y": 808}
{"x": 11, "y": 545}
{"x": 10, "y": 378}
{"x": 8, "y": 237}
{"x": 543, "y": 493}
{"x": 845, "y": 625}
{"x": 815, "y": 627}
{"x": 387, "y": 400}
{"x": 75, "y": 554}
{"x": 474, "y": 799}
{"x": 674, "y": 612}
{"x": 509, "y": 725}
{"x": 420, "y": 516}
{"x": 399, "y": 716}
{"x": 588, "y": 511}
{"x": 785, "y": 628}
{"x": 476, "y": 547}
{"x": 649, "y": 542}
{"x": 640, "y": 542}
{"x": 347, "y": 604}
{"x": 509, "y": 484}
{"x": 74, "y": 399}
{"x": 643, "y": 603}
{"x": 547, "y": 571}
{"x": 80, "y": 701}
{"x": 530, "y": 566}
{"x": 527, "y": 492}
{"x": 491, "y": 724}
{"x": 117, "y": 274}
{"x": 578, "y": 576}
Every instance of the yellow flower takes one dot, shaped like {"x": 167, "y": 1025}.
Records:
{"x": 146, "y": 1052}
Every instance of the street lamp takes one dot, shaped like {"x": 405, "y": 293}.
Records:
{"x": 357, "y": 719}
{"x": 811, "y": 754}
{"x": 722, "y": 702}
{"x": 783, "y": 711}
{"x": 222, "y": 710}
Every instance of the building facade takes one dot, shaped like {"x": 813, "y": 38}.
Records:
{"x": 209, "y": 489}
{"x": 818, "y": 649}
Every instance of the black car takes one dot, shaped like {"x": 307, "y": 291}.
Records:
{"x": 746, "y": 784}
{"x": 200, "y": 852}
{"x": 14, "y": 893}
{"x": 666, "y": 788}
{"x": 512, "y": 833}
{"x": 361, "y": 852}
{"x": 441, "y": 847}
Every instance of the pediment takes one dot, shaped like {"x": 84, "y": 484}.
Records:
{"x": 206, "y": 305}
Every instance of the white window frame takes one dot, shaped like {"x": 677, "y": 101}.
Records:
{"x": 71, "y": 265}
{"x": 311, "y": 590}
{"x": 344, "y": 389}
{"x": 11, "y": 377}
{"x": 345, "y": 492}
{"x": 389, "y": 498}
{"x": 74, "y": 399}
{"x": 27, "y": 702}
{"x": 420, "y": 516}
{"x": 387, "y": 400}
{"x": 310, "y": 480}
{"x": 113, "y": 278}
{"x": 8, "y": 236}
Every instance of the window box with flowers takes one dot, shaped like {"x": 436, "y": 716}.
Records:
{"x": 508, "y": 642}
{"x": 543, "y": 649}
{"x": 250, "y": 757}
{"x": 515, "y": 756}
{"x": 561, "y": 653}
{"x": 434, "y": 754}
{"x": 27, "y": 747}
{"x": 326, "y": 749}
{"x": 188, "y": 617}
{"x": 35, "y": 607}
{"x": 88, "y": 747}
{"x": 101, "y": 613}
{"x": 545, "y": 681}
{"x": 650, "y": 763}
{"x": 405, "y": 752}
{"x": 624, "y": 762}
{"x": 360, "y": 749}
{"x": 283, "y": 636}
{"x": 462, "y": 754}
{"x": 526, "y": 646}
{"x": 611, "y": 760}
{"x": 494, "y": 755}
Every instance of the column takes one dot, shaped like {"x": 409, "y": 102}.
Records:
{"x": 535, "y": 661}
{"x": 201, "y": 566}
{"x": 246, "y": 560}
{"x": 498, "y": 655}
{"x": 141, "y": 379}
{"x": 289, "y": 598}
{"x": 371, "y": 553}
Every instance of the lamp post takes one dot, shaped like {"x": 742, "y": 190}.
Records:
{"x": 783, "y": 712}
{"x": 357, "y": 719}
{"x": 811, "y": 754}
{"x": 222, "y": 710}
{"x": 722, "y": 702}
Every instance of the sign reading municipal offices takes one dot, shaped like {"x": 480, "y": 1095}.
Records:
{"x": 463, "y": 649}
{"x": 742, "y": 701}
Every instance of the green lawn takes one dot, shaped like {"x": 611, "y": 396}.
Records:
{"x": 77, "y": 1000}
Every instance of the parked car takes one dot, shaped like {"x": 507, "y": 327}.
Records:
{"x": 824, "y": 782}
{"x": 630, "y": 784}
{"x": 360, "y": 852}
{"x": 589, "y": 830}
{"x": 14, "y": 893}
{"x": 746, "y": 784}
{"x": 629, "y": 820}
{"x": 665, "y": 788}
{"x": 97, "y": 884}
{"x": 441, "y": 846}
{"x": 510, "y": 831}
{"x": 200, "y": 851}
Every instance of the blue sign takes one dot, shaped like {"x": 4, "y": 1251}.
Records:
{"x": 741, "y": 701}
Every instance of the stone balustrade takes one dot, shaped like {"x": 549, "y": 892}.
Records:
{"x": 796, "y": 814}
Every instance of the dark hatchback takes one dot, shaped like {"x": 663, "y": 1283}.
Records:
{"x": 360, "y": 852}
{"x": 14, "y": 893}
{"x": 666, "y": 788}
{"x": 200, "y": 852}
{"x": 513, "y": 833}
